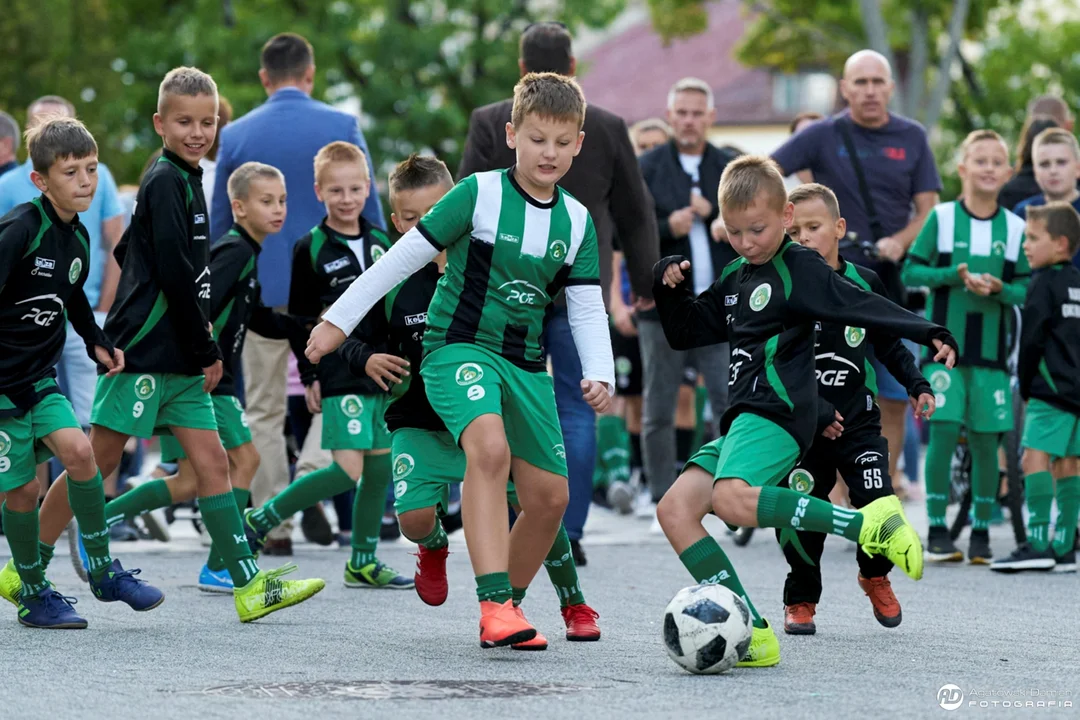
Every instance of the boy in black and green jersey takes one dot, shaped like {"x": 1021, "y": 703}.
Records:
{"x": 513, "y": 241}
{"x": 766, "y": 304}
{"x": 44, "y": 260}
{"x": 325, "y": 262}
{"x": 257, "y": 194}
{"x": 968, "y": 254}
{"x": 849, "y": 415}
{"x": 426, "y": 460}
{"x": 1049, "y": 370}
{"x": 160, "y": 321}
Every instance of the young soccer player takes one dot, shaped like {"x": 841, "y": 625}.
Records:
{"x": 172, "y": 363}
{"x": 426, "y": 460}
{"x": 1049, "y": 371}
{"x": 325, "y": 261}
{"x": 1055, "y": 153}
{"x": 847, "y": 387}
{"x": 44, "y": 260}
{"x": 968, "y": 254}
{"x": 766, "y": 305}
{"x": 513, "y": 240}
{"x": 257, "y": 194}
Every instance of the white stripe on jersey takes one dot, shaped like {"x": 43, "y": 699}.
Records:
{"x": 982, "y": 237}
{"x": 579, "y": 216}
{"x": 1016, "y": 236}
{"x": 946, "y": 227}
{"x": 537, "y": 230}
{"x": 488, "y": 205}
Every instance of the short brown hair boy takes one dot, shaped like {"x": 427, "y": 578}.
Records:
{"x": 419, "y": 171}
{"x": 816, "y": 191}
{"x": 1061, "y": 220}
{"x": 339, "y": 152}
{"x": 58, "y": 138}
{"x": 548, "y": 95}
{"x": 187, "y": 81}
{"x": 747, "y": 176}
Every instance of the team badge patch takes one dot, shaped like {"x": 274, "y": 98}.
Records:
{"x": 145, "y": 385}
{"x": 352, "y": 406}
{"x": 559, "y": 450}
{"x": 854, "y": 336}
{"x": 940, "y": 380}
{"x": 376, "y": 253}
{"x": 557, "y": 250}
{"x": 468, "y": 373}
{"x": 75, "y": 270}
{"x": 403, "y": 465}
{"x": 760, "y": 297}
{"x": 623, "y": 366}
{"x": 801, "y": 481}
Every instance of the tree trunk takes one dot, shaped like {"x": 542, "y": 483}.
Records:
{"x": 944, "y": 79}
{"x": 877, "y": 36}
{"x": 916, "y": 84}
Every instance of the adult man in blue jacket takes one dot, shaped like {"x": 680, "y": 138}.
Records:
{"x": 285, "y": 132}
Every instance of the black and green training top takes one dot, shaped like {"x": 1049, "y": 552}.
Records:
{"x": 847, "y": 382}
{"x": 160, "y": 317}
{"x": 768, "y": 314}
{"x": 325, "y": 263}
{"x": 399, "y": 321}
{"x": 236, "y": 304}
{"x": 1049, "y": 358}
{"x": 44, "y": 262}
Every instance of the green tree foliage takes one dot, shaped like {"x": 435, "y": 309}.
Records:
{"x": 416, "y": 67}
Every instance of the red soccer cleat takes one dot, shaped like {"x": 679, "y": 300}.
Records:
{"x": 430, "y": 577}
{"x": 886, "y": 606}
{"x": 581, "y": 623}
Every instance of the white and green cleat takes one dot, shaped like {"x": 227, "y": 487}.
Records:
{"x": 267, "y": 593}
{"x": 376, "y": 575}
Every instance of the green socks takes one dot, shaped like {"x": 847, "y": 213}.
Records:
{"x": 301, "y": 494}
{"x": 1068, "y": 501}
{"x": 1039, "y": 495}
{"x": 943, "y": 439}
{"x": 46, "y": 550}
{"x": 710, "y": 566}
{"x": 783, "y": 508}
{"x": 562, "y": 571}
{"x": 222, "y": 520}
{"x": 22, "y": 535}
{"x": 148, "y": 496}
{"x": 368, "y": 509}
{"x": 985, "y": 478}
{"x": 494, "y": 587}
{"x": 87, "y": 501}
{"x": 517, "y": 595}
{"x": 436, "y": 539}
{"x": 214, "y": 561}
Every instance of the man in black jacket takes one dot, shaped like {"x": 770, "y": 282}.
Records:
{"x": 606, "y": 179}
{"x": 683, "y": 176}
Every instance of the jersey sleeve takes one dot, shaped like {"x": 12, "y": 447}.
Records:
{"x": 892, "y": 353}
{"x": 227, "y": 262}
{"x": 304, "y": 301}
{"x": 14, "y": 237}
{"x": 450, "y": 219}
{"x": 585, "y": 269}
{"x": 1014, "y": 283}
{"x": 919, "y": 270}
{"x": 689, "y": 322}
{"x": 1035, "y": 322}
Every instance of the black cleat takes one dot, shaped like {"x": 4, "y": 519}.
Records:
{"x": 979, "y": 548}
{"x": 1025, "y": 557}
{"x": 940, "y": 547}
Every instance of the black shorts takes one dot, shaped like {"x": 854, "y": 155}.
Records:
{"x": 627, "y": 352}
{"x": 860, "y": 456}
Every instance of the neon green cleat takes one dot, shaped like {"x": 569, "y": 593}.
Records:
{"x": 376, "y": 575}
{"x": 10, "y": 584}
{"x": 886, "y": 531}
{"x": 764, "y": 649}
{"x": 267, "y": 593}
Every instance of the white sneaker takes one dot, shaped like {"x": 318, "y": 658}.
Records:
{"x": 621, "y": 497}
{"x": 644, "y": 507}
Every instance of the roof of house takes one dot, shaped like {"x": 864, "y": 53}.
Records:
{"x": 630, "y": 73}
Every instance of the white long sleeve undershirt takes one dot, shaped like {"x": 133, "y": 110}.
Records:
{"x": 589, "y": 326}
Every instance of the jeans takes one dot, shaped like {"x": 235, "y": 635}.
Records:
{"x": 576, "y": 417}
{"x": 662, "y": 373}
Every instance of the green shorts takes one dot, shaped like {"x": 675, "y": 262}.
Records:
{"x": 466, "y": 381}
{"x": 355, "y": 422}
{"x": 754, "y": 449}
{"x": 232, "y": 426}
{"x": 21, "y": 445}
{"x": 978, "y": 398}
{"x": 426, "y": 463}
{"x": 1051, "y": 430}
{"x": 148, "y": 404}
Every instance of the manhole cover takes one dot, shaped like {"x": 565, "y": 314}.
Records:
{"x": 388, "y": 689}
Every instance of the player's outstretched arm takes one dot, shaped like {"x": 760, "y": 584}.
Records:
{"x": 589, "y": 326}
{"x": 1034, "y": 326}
{"x": 688, "y": 322}
{"x": 920, "y": 267}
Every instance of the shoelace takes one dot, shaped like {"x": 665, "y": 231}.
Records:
{"x": 126, "y": 577}
{"x": 55, "y": 603}
{"x": 878, "y": 545}
{"x": 277, "y": 573}
{"x": 582, "y": 612}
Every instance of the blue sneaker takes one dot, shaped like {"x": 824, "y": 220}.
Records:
{"x": 215, "y": 581}
{"x": 80, "y": 562}
{"x": 49, "y": 609}
{"x": 120, "y": 584}
{"x": 256, "y": 538}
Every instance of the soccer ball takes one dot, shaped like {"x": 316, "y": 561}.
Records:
{"x": 707, "y": 629}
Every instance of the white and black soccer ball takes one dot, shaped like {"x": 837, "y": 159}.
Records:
{"x": 707, "y": 629}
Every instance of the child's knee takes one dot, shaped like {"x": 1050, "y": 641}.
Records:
{"x": 417, "y": 524}
{"x": 490, "y": 456}
{"x": 1066, "y": 467}
{"x": 676, "y": 508}
{"x": 78, "y": 458}
{"x": 246, "y": 459}
{"x": 1036, "y": 461}
{"x": 23, "y": 498}
{"x": 553, "y": 500}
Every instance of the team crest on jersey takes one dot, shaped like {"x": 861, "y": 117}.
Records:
{"x": 403, "y": 465}
{"x": 559, "y": 450}
{"x": 997, "y": 249}
{"x": 377, "y": 252}
{"x": 623, "y": 366}
{"x": 558, "y": 250}
{"x": 145, "y": 385}
{"x": 760, "y": 297}
{"x": 468, "y": 373}
{"x": 801, "y": 481}
{"x": 75, "y": 270}
{"x": 352, "y": 406}
{"x": 854, "y": 336}
{"x": 940, "y": 380}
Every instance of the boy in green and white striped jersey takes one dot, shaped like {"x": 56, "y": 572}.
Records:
{"x": 969, "y": 255}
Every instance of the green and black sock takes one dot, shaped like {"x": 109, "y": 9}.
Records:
{"x": 1039, "y": 495}
{"x": 783, "y": 508}
{"x": 222, "y": 520}
{"x": 985, "y": 478}
{"x": 46, "y": 551}
{"x": 710, "y": 566}
{"x": 562, "y": 571}
{"x": 368, "y": 509}
{"x": 214, "y": 561}
{"x": 88, "y": 505}
{"x": 21, "y": 529}
{"x": 301, "y": 494}
{"x": 436, "y": 539}
{"x": 494, "y": 587}
{"x": 938, "y": 469}
{"x": 148, "y": 496}
{"x": 1068, "y": 501}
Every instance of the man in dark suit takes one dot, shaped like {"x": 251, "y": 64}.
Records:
{"x": 605, "y": 177}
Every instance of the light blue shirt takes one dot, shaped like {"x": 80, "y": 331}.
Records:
{"x": 16, "y": 188}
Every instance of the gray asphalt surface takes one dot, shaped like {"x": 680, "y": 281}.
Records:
{"x": 363, "y": 653}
